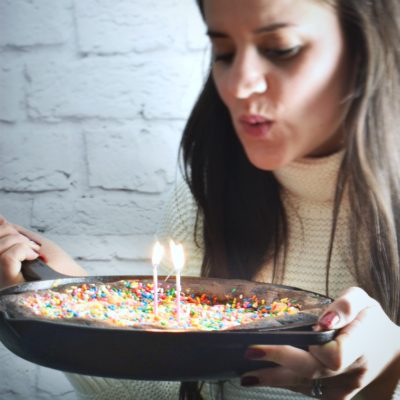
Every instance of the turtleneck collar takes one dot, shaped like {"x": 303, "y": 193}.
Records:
{"x": 311, "y": 179}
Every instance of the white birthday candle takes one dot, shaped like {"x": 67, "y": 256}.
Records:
{"x": 158, "y": 252}
{"x": 178, "y": 259}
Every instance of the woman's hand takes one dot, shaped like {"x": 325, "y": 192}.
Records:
{"x": 366, "y": 349}
{"x": 14, "y": 248}
{"x": 18, "y": 244}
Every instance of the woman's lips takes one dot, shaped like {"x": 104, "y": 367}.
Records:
{"x": 255, "y": 125}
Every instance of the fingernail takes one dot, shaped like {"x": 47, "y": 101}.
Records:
{"x": 249, "y": 381}
{"x": 43, "y": 258}
{"x": 329, "y": 320}
{"x": 254, "y": 354}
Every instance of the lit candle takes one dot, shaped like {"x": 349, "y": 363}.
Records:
{"x": 158, "y": 252}
{"x": 178, "y": 259}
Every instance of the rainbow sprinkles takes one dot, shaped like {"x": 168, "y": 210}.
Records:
{"x": 130, "y": 303}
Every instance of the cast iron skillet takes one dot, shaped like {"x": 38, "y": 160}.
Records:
{"x": 152, "y": 354}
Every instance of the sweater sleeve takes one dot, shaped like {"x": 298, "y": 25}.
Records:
{"x": 179, "y": 224}
{"x": 97, "y": 388}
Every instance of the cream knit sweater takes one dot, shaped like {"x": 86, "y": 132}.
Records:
{"x": 308, "y": 191}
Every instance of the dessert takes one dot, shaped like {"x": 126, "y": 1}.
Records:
{"x": 130, "y": 304}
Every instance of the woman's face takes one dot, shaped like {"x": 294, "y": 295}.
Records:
{"x": 280, "y": 68}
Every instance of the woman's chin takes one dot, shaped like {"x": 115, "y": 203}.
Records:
{"x": 267, "y": 161}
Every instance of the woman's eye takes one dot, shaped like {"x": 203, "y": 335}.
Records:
{"x": 223, "y": 57}
{"x": 272, "y": 54}
{"x": 281, "y": 54}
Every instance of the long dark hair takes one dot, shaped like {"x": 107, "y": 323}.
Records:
{"x": 225, "y": 184}
{"x": 244, "y": 220}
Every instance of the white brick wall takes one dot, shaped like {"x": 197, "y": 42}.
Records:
{"x": 93, "y": 98}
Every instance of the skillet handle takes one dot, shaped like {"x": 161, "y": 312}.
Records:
{"x": 37, "y": 270}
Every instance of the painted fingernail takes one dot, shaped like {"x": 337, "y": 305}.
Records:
{"x": 254, "y": 354}
{"x": 329, "y": 320}
{"x": 43, "y": 258}
{"x": 249, "y": 381}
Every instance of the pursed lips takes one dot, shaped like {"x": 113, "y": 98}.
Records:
{"x": 255, "y": 125}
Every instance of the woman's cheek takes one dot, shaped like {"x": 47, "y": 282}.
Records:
{"x": 220, "y": 80}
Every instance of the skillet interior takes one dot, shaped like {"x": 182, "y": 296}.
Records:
{"x": 312, "y": 304}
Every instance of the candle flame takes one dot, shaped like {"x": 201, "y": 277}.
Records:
{"x": 158, "y": 252}
{"x": 178, "y": 256}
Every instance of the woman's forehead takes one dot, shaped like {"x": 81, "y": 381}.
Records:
{"x": 228, "y": 14}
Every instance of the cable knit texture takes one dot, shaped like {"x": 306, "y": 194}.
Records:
{"x": 308, "y": 188}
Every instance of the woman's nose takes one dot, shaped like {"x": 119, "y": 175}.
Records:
{"x": 248, "y": 75}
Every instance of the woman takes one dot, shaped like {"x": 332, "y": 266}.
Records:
{"x": 292, "y": 156}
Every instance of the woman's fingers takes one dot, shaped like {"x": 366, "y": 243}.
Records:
{"x": 9, "y": 237}
{"x": 334, "y": 388}
{"x": 358, "y": 340}
{"x": 289, "y": 357}
{"x": 355, "y": 315}
{"x": 11, "y": 260}
{"x": 320, "y": 362}
{"x": 277, "y": 377}
{"x": 29, "y": 234}
{"x": 7, "y": 229}
{"x": 340, "y": 353}
{"x": 15, "y": 247}
{"x": 346, "y": 364}
{"x": 345, "y": 309}
{"x": 10, "y": 240}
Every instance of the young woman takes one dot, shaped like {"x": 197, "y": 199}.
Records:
{"x": 292, "y": 156}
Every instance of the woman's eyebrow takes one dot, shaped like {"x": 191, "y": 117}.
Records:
{"x": 268, "y": 28}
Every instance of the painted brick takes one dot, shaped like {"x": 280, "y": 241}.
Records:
{"x": 85, "y": 88}
{"x": 109, "y": 27}
{"x": 16, "y": 208}
{"x": 17, "y": 379}
{"x": 143, "y": 158}
{"x": 11, "y": 88}
{"x": 34, "y": 159}
{"x": 53, "y": 383}
{"x": 116, "y": 88}
{"x": 171, "y": 87}
{"x": 34, "y": 22}
{"x": 71, "y": 70}
{"x": 106, "y": 248}
{"x": 195, "y": 27}
{"x": 116, "y": 267}
{"x": 100, "y": 214}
